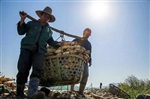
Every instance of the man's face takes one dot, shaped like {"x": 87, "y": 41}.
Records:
{"x": 86, "y": 33}
{"x": 45, "y": 17}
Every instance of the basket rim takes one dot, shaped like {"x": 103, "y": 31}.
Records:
{"x": 64, "y": 55}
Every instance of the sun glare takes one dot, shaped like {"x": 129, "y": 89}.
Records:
{"x": 99, "y": 10}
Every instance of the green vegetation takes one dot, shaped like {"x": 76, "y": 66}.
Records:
{"x": 134, "y": 86}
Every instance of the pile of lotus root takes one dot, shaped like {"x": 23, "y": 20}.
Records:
{"x": 68, "y": 47}
{"x": 88, "y": 95}
{"x": 7, "y": 81}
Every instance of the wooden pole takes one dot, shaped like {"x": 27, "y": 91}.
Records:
{"x": 54, "y": 29}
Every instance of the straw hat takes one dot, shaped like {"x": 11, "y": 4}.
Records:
{"x": 47, "y": 10}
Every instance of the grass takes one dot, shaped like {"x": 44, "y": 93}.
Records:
{"x": 134, "y": 86}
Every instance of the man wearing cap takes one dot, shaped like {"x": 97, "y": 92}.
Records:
{"x": 87, "y": 45}
{"x": 33, "y": 48}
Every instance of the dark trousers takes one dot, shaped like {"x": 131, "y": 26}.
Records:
{"x": 85, "y": 74}
{"x": 29, "y": 59}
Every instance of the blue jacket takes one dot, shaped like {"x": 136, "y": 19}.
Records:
{"x": 35, "y": 34}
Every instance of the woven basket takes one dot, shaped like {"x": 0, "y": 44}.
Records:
{"x": 62, "y": 70}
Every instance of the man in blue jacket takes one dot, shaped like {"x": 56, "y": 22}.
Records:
{"x": 33, "y": 48}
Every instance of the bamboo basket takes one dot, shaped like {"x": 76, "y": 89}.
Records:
{"x": 62, "y": 70}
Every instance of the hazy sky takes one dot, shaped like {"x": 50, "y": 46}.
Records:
{"x": 120, "y": 34}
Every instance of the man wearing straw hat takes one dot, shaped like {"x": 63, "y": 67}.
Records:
{"x": 33, "y": 48}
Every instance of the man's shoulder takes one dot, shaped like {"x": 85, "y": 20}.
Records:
{"x": 87, "y": 41}
{"x": 33, "y": 22}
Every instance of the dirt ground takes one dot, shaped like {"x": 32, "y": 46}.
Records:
{"x": 88, "y": 95}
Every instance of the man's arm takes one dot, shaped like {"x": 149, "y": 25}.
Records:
{"x": 22, "y": 29}
{"x": 21, "y": 26}
{"x": 53, "y": 43}
{"x": 90, "y": 60}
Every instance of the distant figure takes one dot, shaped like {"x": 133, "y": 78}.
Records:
{"x": 100, "y": 86}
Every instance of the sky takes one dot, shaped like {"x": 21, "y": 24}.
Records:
{"x": 120, "y": 34}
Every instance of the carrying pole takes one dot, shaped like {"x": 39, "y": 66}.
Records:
{"x": 54, "y": 29}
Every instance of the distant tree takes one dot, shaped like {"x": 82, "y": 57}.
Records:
{"x": 134, "y": 86}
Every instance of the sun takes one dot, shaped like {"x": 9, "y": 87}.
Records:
{"x": 99, "y": 10}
